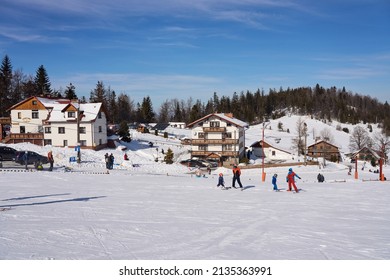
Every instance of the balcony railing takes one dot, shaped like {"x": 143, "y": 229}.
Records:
{"x": 214, "y": 129}
{"x": 214, "y": 141}
{"x": 26, "y": 136}
{"x": 222, "y": 153}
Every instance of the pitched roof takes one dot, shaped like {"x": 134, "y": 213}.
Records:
{"x": 57, "y": 107}
{"x": 221, "y": 116}
{"x": 314, "y": 144}
{"x": 161, "y": 126}
{"x": 257, "y": 144}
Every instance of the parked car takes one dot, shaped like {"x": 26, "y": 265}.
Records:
{"x": 32, "y": 158}
{"x": 193, "y": 163}
{"x": 211, "y": 164}
{"x": 7, "y": 153}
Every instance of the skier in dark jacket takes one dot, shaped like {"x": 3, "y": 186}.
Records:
{"x": 236, "y": 176}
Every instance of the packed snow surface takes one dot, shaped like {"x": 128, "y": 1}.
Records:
{"x": 143, "y": 209}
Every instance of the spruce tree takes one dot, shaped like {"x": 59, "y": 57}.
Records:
{"x": 70, "y": 92}
{"x": 42, "y": 82}
{"x": 168, "y": 158}
{"x": 5, "y": 85}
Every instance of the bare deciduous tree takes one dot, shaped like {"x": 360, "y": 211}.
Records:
{"x": 359, "y": 139}
{"x": 382, "y": 143}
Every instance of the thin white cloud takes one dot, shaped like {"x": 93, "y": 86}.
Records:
{"x": 136, "y": 84}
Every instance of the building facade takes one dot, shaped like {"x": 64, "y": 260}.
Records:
{"x": 325, "y": 150}
{"x": 58, "y": 122}
{"x": 218, "y": 136}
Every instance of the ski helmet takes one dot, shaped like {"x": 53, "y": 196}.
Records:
{"x": 290, "y": 169}
{"x": 275, "y": 175}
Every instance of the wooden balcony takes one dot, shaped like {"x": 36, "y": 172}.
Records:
{"x": 214, "y": 141}
{"x": 34, "y": 138}
{"x": 214, "y": 129}
{"x": 222, "y": 153}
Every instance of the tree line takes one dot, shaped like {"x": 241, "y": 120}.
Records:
{"x": 252, "y": 107}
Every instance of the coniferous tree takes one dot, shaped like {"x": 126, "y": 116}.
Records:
{"x": 5, "y": 85}
{"x": 147, "y": 112}
{"x": 70, "y": 92}
{"x": 42, "y": 82}
{"x": 168, "y": 158}
{"x": 123, "y": 132}
{"x": 177, "y": 117}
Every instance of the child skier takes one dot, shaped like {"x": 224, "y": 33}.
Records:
{"x": 274, "y": 178}
{"x": 290, "y": 180}
{"x": 221, "y": 181}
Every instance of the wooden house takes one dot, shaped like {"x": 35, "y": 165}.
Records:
{"x": 324, "y": 149}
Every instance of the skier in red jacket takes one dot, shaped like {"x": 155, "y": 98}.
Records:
{"x": 290, "y": 180}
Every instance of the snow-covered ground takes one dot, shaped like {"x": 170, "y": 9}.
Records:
{"x": 146, "y": 210}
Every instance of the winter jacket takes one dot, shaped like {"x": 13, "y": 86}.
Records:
{"x": 291, "y": 175}
{"x": 236, "y": 172}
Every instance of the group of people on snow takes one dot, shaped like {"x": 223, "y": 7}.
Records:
{"x": 109, "y": 159}
{"x": 290, "y": 179}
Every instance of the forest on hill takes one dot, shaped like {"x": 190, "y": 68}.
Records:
{"x": 252, "y": 107}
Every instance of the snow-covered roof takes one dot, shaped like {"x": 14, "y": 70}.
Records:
{"x": 57, "y": 106}
{"x": 226, "y": 117}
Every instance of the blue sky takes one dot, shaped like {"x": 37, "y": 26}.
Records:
{"x": 178, "y": 48}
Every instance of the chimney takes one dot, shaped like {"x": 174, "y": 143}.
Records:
{"x": 229, "y": 115}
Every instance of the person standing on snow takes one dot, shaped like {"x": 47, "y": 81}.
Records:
{"x": 221, "y": 181}
{"x": 236, "y": 176}
{"x": 290, "y": 180}
{"x": 51, "y": 160}
{"x": 274, "y": 178}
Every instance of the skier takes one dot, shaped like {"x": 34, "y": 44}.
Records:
{"x": 221, "y": 181}
{"x": 125, "y": 157}
{"x": 290, "y": 180}
{"x": 51, "y": 160}
{"x": 107, "y": 160}
{"x": 111, "y": 161}
{"x": 274, "y": 178}
{"x": 236, "y": 176}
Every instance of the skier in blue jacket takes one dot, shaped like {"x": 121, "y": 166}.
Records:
{"x": 274, "y": 178}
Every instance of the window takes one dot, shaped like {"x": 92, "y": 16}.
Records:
{"x": 71, "y": 114}
{"x": 61, "y": 130}
{"x": 227, "y": 135}
{"x": 200, "y": 135}
{"x": 65, "y": 143}
{"x": 214, "y": 124}
{"x": 22, "y": 129}
{"x": 274, "y": 153}
{"x": 83, "y": 142}
{"x": 202, "y": 147}
{"x": 48, "y": 129}
{"x": 100, "y": 141}
{"x": 35, "y": 114}
{"x": 34, "y": 102}
{"x": 47, "y": 142}
{"x": 100, "y": 128}
{"x": 82, "y": 130}
{"x": 99, "y": 115}
{"x": 227, "y": 147}
{"x": 19, "y": 115}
